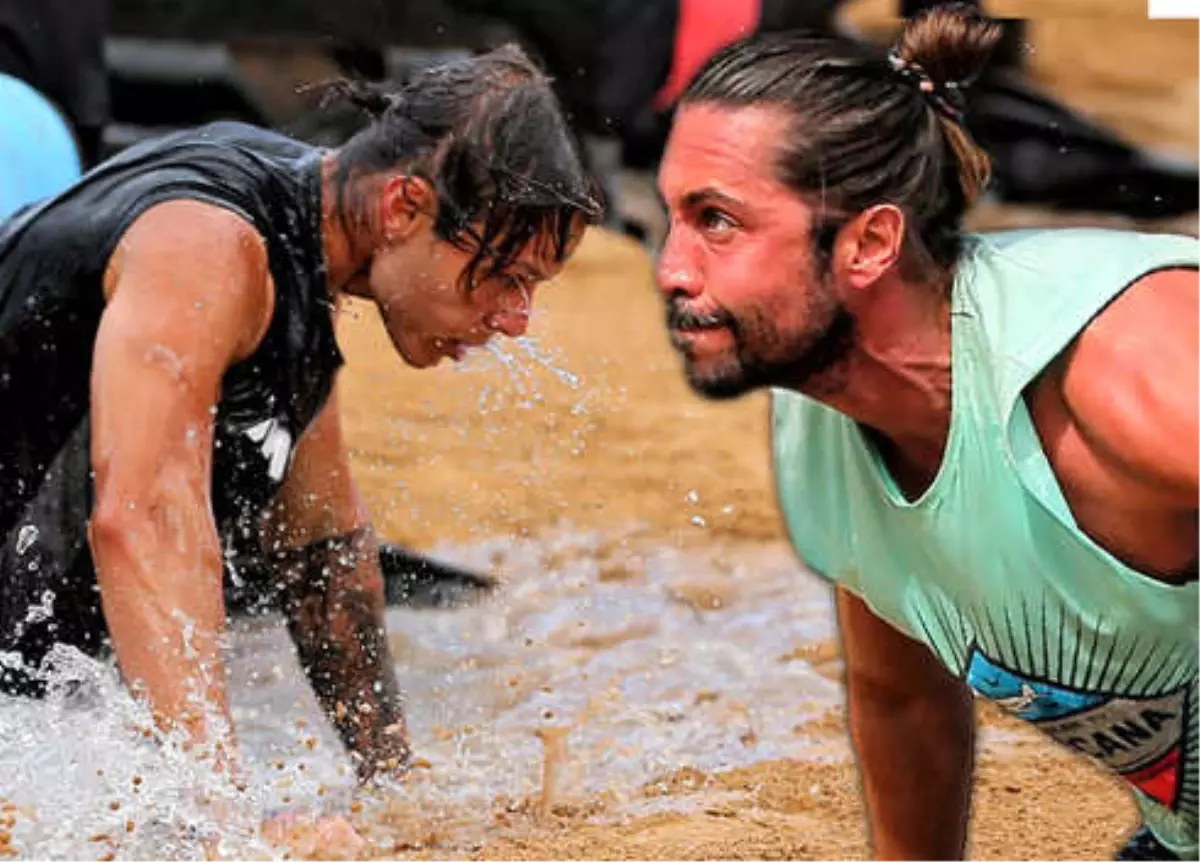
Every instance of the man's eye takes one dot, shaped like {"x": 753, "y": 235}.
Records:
{"x": 712, "y": 219}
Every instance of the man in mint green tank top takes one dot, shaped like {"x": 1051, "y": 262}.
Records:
{"x": 988, "y": 443}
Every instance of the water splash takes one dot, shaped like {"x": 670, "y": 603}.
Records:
{"x": 523, "y": 361}
{"x": 608, "y": 638}
{"x": 547, "y": 360}
{"x": 90, "y": 774}
{"x": 27, "y": 535}
{"x": 84, "y": 773}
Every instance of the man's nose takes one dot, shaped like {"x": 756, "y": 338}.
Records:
{"x": 511, "y": 324}
{"x": 512, "y": 317}
{"x": 677, "y": 272}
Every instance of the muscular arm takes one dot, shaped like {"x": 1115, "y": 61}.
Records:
{"x": 1132, "y": 385}
{"x": 912, "y": 725}
{"x": 320, "y": 541}
{"x": 188, "y": 294}
{"x": 1118, "y": 414}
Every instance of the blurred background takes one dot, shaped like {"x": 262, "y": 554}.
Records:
{"x": 121, "y": 70}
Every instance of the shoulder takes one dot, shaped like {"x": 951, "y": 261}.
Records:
{"x": 799, "y": 421}
{"x": 181, "y": 253}
{"x": 1129, "y": 381}
{"x": 190, "y": 235}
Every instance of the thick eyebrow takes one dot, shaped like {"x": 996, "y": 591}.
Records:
{"x": 709, "y": 195}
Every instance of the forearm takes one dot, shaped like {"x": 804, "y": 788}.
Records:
{"x": 158, "y": 566}
{"x": 335, "y": 606}
{"x": 915, "y": 753}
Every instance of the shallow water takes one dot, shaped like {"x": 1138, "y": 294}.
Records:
{"x": 648, "y": 662}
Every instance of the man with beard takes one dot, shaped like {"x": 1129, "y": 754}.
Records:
{"x": 987, "y": 443}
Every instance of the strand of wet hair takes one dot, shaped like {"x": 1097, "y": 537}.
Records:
{"x": 367, "y": 97}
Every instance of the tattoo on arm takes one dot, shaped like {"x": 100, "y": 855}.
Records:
{"x": 334, "y": 604}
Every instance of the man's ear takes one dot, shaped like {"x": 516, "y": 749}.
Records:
{"x": 403, "y": 202}
{"x": 870, "y": 244}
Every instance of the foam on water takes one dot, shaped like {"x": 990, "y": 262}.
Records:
{"x": 648, "y": 661}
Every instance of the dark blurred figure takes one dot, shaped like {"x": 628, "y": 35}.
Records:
{"x": 621, "y": 64}
{"x": 57, "y": 47}
{"x": 53, "y": 96}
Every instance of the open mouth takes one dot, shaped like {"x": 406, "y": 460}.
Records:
{"x": 697, "y": 322}
{"x": 686, "y": 321}
{"x": 695, "y": 334}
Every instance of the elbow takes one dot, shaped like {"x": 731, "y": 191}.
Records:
{"x": 121, "y": 531}
{"x": 151, "y": 526}
{"x": 112, "y": 525}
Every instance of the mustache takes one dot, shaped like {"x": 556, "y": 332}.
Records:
{"x": 682, "y": 316}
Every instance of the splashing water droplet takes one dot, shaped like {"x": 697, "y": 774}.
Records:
{"x": 27, "y": 535}
{"x": 541, "y": 357}
{"x": 42, "y": 611}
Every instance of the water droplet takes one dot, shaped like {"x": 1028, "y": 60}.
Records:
{"x": 699, "y": 521}
{"x": 692, "y": 496}
{"x": 26, "y": 537}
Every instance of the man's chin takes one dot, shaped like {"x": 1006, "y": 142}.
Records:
{"x": 717, "y": 384}
{"x": 414, "y": 352}
{"x": 415, "y": 359}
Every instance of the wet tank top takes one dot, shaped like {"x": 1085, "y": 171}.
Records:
{"x": 52, "y": 259}
{"x": 988, "y": 567}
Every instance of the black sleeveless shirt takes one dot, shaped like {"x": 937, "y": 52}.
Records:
{"x": 53, "y": 256}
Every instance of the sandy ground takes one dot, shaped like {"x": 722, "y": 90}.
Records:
{"x": 463, "y": 455}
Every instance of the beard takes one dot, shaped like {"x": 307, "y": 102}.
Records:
{"x": 763, "y": 355}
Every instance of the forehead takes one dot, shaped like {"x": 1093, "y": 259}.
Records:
{"x": 731, "y": 149}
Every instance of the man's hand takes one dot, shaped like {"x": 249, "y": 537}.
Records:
{"x": 308, "y": 837}
{"x": 188, "y": 295}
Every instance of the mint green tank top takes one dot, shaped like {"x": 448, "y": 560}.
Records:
{"x": 987, "y": 567}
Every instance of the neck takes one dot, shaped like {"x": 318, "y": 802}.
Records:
{"x": 344, "y": 233}
{"x": 896, "y": 378}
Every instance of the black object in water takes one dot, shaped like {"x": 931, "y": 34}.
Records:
{"x": 410, "y": 580}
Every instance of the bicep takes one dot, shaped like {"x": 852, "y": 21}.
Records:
{"x": 1132, "y": 382}
{"x": 181, "y": 310}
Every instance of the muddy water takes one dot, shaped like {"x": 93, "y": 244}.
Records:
{"x": 616, "y": 665}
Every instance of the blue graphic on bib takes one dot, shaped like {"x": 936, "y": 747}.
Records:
{"x": 1139, "y": 738}
{"x": 1031, "y": 700}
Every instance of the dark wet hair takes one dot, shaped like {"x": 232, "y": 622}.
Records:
{"x": 488, "y": 135}
{"x": 870, "y": 126}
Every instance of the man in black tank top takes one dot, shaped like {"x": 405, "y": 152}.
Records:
{"x": 167, "y": 376}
